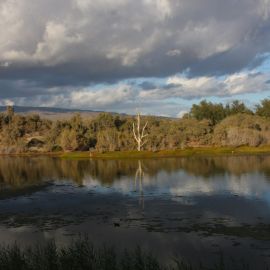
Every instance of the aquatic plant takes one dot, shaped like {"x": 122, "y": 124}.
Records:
{"x": 81, "y": 254}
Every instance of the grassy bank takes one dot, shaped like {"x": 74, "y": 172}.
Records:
{"x": 200, "y": 151}
{"x": 82, "y": 255}
{"x": 206, "y": 151}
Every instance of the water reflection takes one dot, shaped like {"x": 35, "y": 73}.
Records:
{"x": 139, "y": 181}
{"x": 248, "y": 175}
{"x": 16, "y": 172}
{"x": 193, "y": 205}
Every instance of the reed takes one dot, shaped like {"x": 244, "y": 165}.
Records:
{"x": 81, "y": 254}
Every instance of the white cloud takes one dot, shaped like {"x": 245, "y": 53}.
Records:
{"x": 242, "y": 83}
{"x": 55, "y": 39}
{"x": 193, "y": 83}
{"x": 128, "y": 57}
{"x": 172, "y": 53}
{"x": 125, "y": 97}
{"x": 181, "y": 114}
{"x": 86, "y": 98}
{"x": 163, "y": 7}
{"x": 235, "y": 84}
{"x": 37, "y": 31}
{"x": 6, "y": 102}
{"x": 101, "y": 98}
{"x": 59, "y": 48}
{"x": 5, "y": 64}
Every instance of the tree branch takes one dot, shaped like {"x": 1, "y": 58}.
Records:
{"x": 140, "y": 132}
{"x": 144, "y": 128}
{"x": 144, "y": 143}
{"x": 135, "y": 136}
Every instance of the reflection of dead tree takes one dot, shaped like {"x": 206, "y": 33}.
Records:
{"x": 139, "y": 177}
{"x": 138, "y": 133}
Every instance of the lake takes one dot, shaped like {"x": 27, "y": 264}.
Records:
{"x": 199, "y": 208}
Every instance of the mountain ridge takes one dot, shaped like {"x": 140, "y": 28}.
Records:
{"x": 26, "y": 109}
{"x": 52, "y": 112}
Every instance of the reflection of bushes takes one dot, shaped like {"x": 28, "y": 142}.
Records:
{"x": 21, "y": 172}
{"x": 236, "y": 165}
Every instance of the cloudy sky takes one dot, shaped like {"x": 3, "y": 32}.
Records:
{"x": 159, "y": 56}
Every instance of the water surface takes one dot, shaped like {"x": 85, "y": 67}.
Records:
{"x": 198, "y": 207}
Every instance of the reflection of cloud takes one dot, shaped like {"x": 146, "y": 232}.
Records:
{"x": 244, "y": 185}
{"x": 123, "y": 185}
{"x": 191, "y": 187}
{"x": 180, "y": 185}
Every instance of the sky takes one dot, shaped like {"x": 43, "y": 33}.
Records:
{"x": 155, "y": 56}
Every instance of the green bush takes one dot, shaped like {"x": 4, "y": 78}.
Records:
{"x": 242, "y": 129}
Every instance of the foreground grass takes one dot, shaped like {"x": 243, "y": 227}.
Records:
{"x": 82, "y": 255}
{"x": 243, "y": 150}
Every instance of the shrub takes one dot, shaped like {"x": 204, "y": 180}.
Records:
{"x": 242, "y": 129}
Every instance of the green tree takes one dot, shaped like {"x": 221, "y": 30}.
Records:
{"x": 237, "y": 107}
{"x": 208, "y": 110}
{"x": 263, "y": 109}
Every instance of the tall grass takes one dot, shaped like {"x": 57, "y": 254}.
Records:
{"x": 82, "y": 255}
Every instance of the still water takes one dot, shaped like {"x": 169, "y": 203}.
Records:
{"x": 198, "y": 208}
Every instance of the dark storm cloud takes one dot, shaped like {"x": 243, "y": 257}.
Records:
{"x": 55, "y": 47}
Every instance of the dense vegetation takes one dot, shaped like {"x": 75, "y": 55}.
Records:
{"x": 82, "y": 255}
{"x": 207, "y": 124}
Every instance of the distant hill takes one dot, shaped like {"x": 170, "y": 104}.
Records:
{"x": 51, "y": 113}
{"x": 22, "y": 109}
{"x": 61, "y": 113}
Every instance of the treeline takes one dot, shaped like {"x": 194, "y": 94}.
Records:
{"x": 215, "y": 112}
{"x": 207, "y": 124}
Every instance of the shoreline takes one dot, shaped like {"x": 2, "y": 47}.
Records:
{"x": 198, "y": 151}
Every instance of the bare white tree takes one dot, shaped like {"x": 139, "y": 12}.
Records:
{"x": 139, "y": 134}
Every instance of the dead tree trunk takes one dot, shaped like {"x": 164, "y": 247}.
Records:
{"x": 139, "y": 134}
